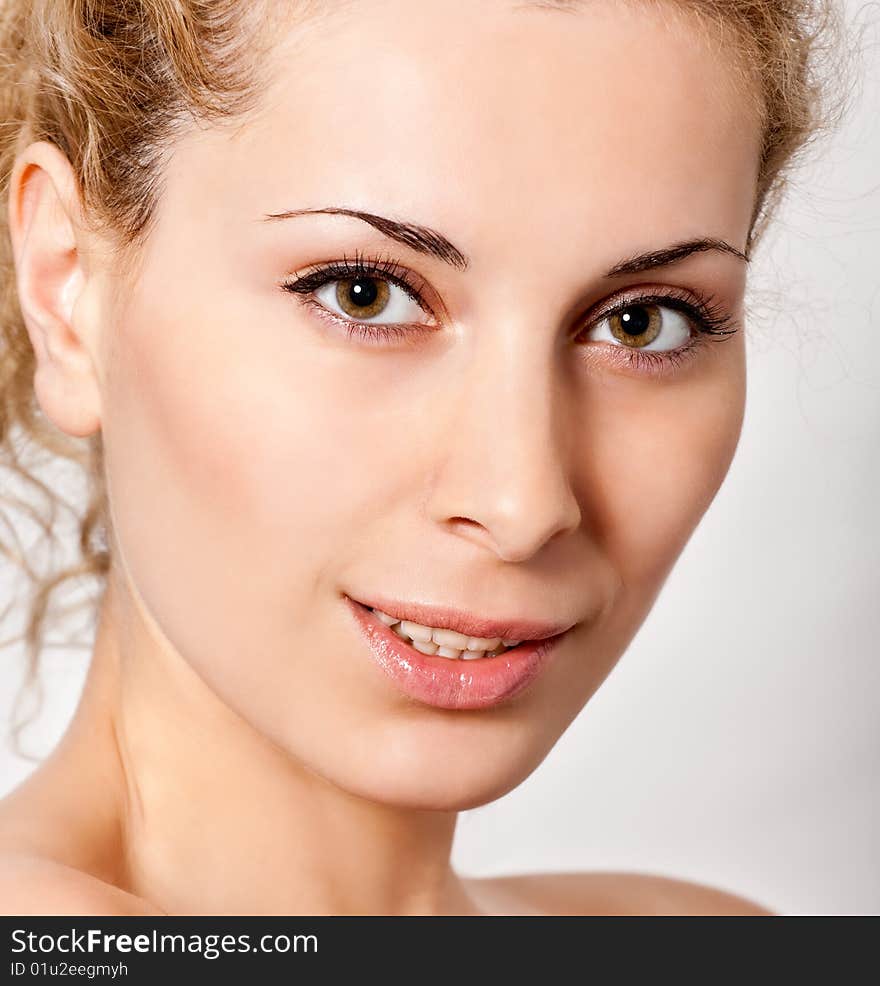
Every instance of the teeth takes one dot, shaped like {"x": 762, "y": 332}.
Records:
{"x": 450, "y": 638}
{"x": 450, "y": 652}
{"x": 416, "y": 632}
{"x": 443, "y": 642}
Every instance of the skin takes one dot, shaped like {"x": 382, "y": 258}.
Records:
{"x": 235, "y": 751}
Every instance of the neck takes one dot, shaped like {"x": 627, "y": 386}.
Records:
{"x": 217, "y": 819}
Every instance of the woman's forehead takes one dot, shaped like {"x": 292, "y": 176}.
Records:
{"x": 456, "y": 111}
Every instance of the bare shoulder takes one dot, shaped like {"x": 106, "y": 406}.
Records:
{"x": 612, "y": 893}
{"x": 34, "y": 885}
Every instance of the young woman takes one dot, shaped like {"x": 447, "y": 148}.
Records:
{"x": 404, "y": 346}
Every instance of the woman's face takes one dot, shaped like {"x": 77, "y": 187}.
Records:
{"x": 512, "y": 453}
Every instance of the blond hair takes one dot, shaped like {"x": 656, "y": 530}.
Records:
{"x": 111, "y": 81}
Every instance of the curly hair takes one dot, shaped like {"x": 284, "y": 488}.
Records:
{"x": 110, "y": 82}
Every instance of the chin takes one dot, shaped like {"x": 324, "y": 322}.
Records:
{"x": 412, "y": 772}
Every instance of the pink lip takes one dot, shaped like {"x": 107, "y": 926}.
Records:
{"x": 454, "y": 684}
{"x": 467, "y": 623}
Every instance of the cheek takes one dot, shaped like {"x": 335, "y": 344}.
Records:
{"x": 231, "y": 460}
{"x": 660, "y": 459}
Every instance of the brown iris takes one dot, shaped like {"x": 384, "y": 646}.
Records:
{"x": 637, "y": 325}
{"x": 362, "y": 297}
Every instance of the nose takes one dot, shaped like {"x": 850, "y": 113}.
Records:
{"x": 503, "y": 479}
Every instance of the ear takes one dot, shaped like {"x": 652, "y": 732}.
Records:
{"x": 47, "y": 240}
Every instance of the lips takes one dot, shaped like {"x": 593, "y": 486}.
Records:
{"x": 448, "y": 684}
{"x": 469, "y": 624}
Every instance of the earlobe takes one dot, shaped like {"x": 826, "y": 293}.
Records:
{"x": 46, "y": 235}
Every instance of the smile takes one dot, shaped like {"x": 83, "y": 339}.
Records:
{"x": 445, "y": 642}
{"x": 449, "y": 680}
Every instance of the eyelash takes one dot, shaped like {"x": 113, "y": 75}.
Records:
{"x": 709, "y": 317}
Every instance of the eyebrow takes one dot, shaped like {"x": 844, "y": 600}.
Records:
{"x": 419, "y": 238}
{"x": 669, "y": 255}
{"x": 428, "y": 241}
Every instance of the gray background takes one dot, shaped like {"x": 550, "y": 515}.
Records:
{"x": 737, "y": 742}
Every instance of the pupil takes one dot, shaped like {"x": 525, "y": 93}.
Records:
{"x": 363, "y": 291}
{"x": 635, "y": 324}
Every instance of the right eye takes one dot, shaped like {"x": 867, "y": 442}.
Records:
{"x": 375, "y": 292}
{"x": 366, "y": 297}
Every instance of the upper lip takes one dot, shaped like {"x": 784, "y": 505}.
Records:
{"x": 513, "y": 628}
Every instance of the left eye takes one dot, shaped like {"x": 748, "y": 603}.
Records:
{"x": 641, "y": 325}
{"x": 364, "y": 298}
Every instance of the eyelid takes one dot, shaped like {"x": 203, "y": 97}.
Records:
{"x": 632, "y": 295}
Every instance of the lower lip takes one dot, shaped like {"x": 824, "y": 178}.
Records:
{"x": 448, "y": 683}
